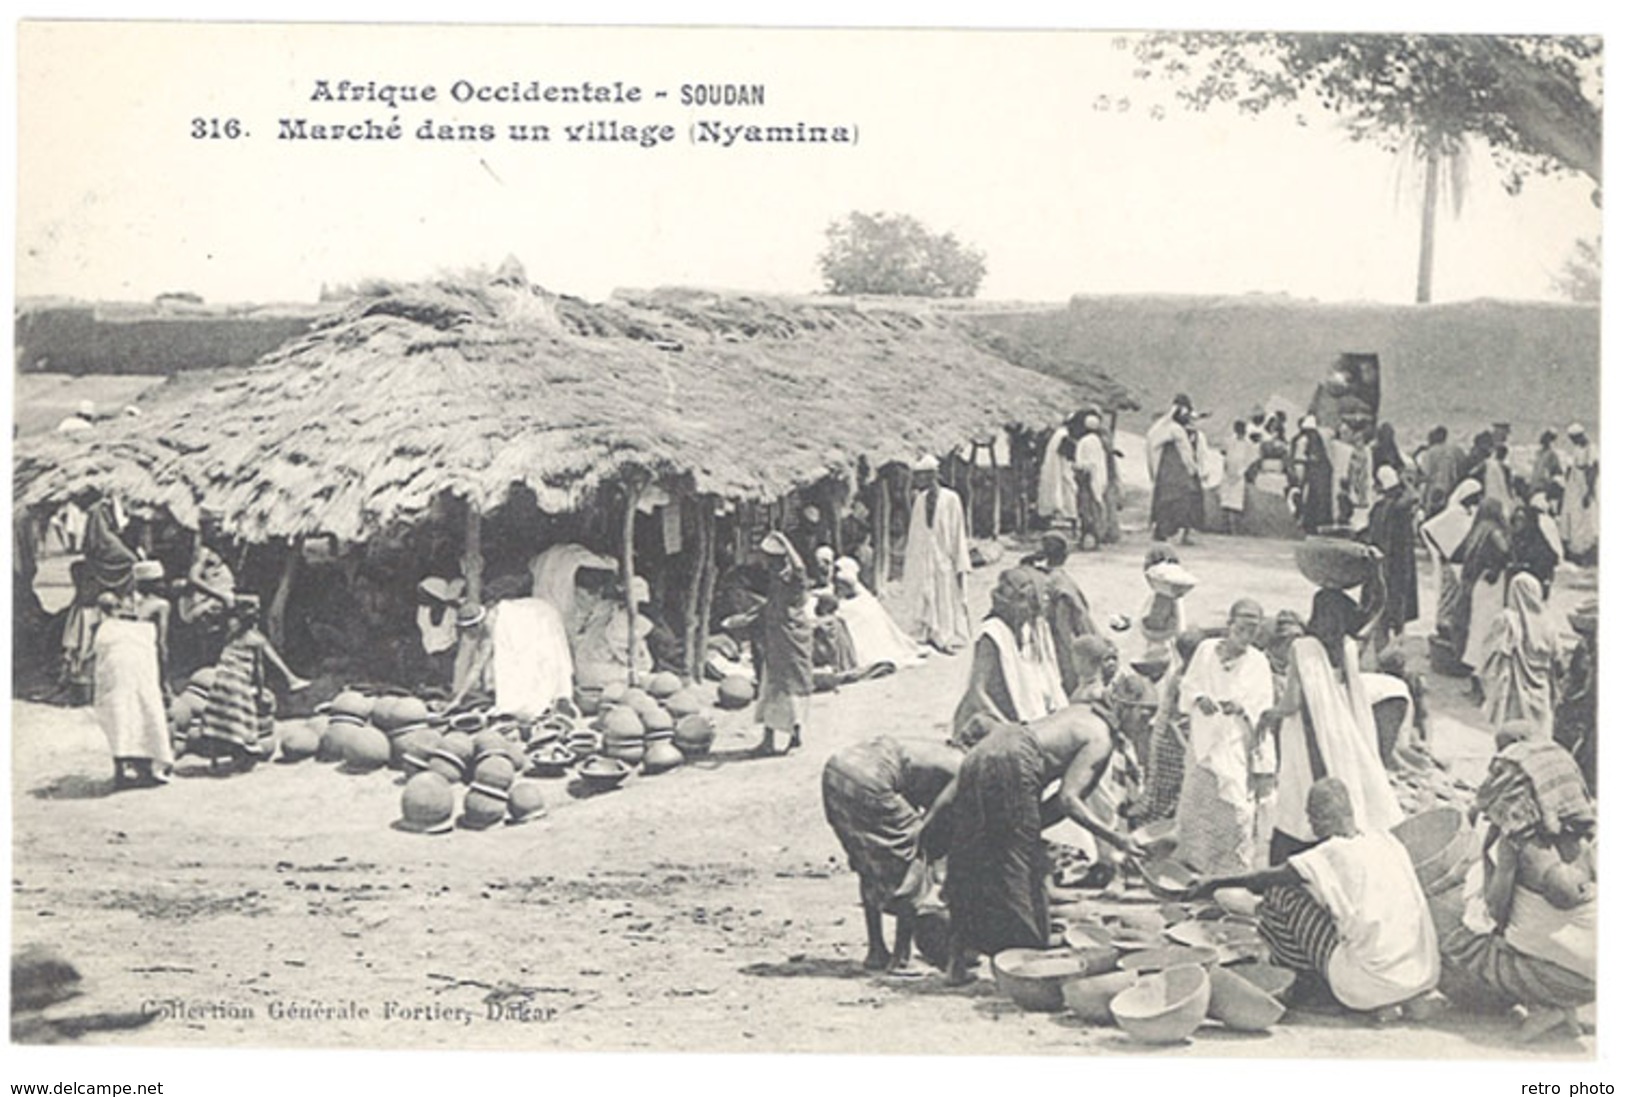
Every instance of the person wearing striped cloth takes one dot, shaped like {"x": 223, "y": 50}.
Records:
{"x": 1347, "y": 910}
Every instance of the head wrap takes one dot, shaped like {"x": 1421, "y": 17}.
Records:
{"x": 927, "y": 463}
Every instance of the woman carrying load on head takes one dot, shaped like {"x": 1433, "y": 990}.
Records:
{"x": 1528, "y": 932}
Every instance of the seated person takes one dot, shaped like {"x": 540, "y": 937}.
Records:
{"x": 1348, "y": 910}
{"x": 1528, "y": 933}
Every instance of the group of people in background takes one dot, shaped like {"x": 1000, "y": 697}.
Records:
{"x": 1272, "y": 745}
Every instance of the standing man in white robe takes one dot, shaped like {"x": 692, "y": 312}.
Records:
{"x": 1092, "y": 471}
{"x": 1225, "y": 690}
{"x": 936, "y": 564}
{"x": 1057, "y": 484}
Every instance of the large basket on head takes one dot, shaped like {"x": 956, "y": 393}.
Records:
{"x": 1336, "y": 564}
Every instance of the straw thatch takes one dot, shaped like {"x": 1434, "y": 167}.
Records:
{"x": 472, "y": 389}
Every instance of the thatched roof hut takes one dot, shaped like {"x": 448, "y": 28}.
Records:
{"x": 474, "y": 389}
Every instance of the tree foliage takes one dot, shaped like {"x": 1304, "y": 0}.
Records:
{"x": 1534, "y": 101}
{"x": 894, "y": 254}
{"x": 1581, "y": 276}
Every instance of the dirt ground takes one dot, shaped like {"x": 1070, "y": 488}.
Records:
{"x": 707, "y": 909}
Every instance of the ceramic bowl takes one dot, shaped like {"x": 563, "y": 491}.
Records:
{"x": 1164, "y": 1007}
{"x": 1093, "y": 947}
{"x": 1090, "y": 996}
{"x": 553, "y": 760}
{"x": 1151, "y": 960}
{"x": 1239, "y": 1004}
{"x": 1272, "y": 980}
{"x": 604, "y": 773}
{"x": 1032, "y": 978}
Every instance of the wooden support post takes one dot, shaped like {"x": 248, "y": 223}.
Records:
{"x": 691, "y": 602}
{"x": 882, "y": 531}
{"x": 998, "y": 474}
{"x": 970, "y": 493}
{"x": 708, "y": 585}
{"x": 634, "y": 490}
{"x": 276, "y": 614}
{"x": 473, "y": 563}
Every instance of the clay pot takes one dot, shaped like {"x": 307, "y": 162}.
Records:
{"x": 1164, "y": 1007}
{"x": 622, "y": 723}
{"x": 660, "y": 756}
{"x": 426, "y": 804}
{"x": 735, "y": 692}
{"x": 694, "y": 735}
{"x": 489, "y": 741}
{"x": 640, "y": 701}
{"x": 685, "y": 702}
{"x": 525, "y": 802}
{"x": 366, "y": 749}
{"x": 1090, "y": 996}
{"x": 553, "y": 760}
{"x": 330, "y": 748}
{"x": 351, "y": 702}
{"x": 656, "y": 720}
{"x": 1032, "y": 978}
{"x": 613, "y": 693}
{"x": 495, "y": 771}
{"x": 483, "y": 808}
{"x": 663, "y": 684}
{"x": 299, "y": 741}
{"x": 602, "y": 774}
{"x": 415, "y": 748}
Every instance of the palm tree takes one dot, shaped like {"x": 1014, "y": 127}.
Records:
{"x": 1443, "y": 158}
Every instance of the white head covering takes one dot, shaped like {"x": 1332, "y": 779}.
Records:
{"x": 1309, "y": 422}
{"x": 846, "y": 569}
{"x": 824, "y": 554}
{"x": 1386, "y": 477}
{"x": 640, "y": 590}
{"x": 927, "y": 463}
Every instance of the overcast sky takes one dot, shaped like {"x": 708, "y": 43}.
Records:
{"x": 996, "y": 136}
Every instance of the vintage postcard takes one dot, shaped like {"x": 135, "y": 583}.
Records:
{"x": 748, "y": 539}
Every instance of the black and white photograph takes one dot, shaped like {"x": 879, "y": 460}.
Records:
{"x": 907, "y": 541}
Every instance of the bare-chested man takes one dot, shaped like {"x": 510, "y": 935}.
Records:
{"x": 995, "y": 813}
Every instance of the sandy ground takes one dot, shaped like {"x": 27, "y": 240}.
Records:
{"x": 704, "y": 910}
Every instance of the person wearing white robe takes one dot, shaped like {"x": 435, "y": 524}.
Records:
{"x": 876, "y": 637}
{"x": 531, "y": 666}
{"x": 1225, "y": 691}
{"x": 553, "y": 577}
{"x": 1332, "y": 707}
{"x": 936, "y": 563}
{"x": 1057, "y": 488}
{"x": 129, "y": 698}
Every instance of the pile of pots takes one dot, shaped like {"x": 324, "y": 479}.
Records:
{"x": 473, "y": 755}
{"x": 655, "y": 726}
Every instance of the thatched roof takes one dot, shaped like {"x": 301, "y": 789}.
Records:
{"x": 473, "y": 389}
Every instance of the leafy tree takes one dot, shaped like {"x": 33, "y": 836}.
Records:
{"x": 894, "y": 254}
{"x": 1534, "y": 101}
{"x": 1581, "y": 276}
